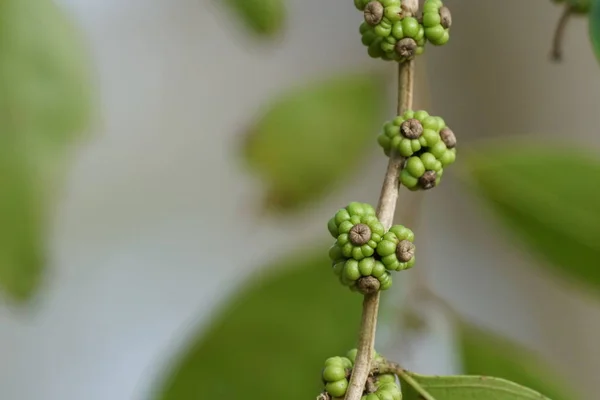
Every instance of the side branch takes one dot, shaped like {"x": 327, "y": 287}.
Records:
{"x": 559, "y": 33}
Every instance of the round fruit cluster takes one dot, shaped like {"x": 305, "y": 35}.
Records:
{"x": 364, "y": 250}
{"x": 436, "y": 19}
{"x": 426, "y": 142}
{"x": 393, "y": 36}
{"x": 337, "y": 371}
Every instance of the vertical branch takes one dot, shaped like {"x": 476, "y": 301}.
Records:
{"x": 385, "y": 212}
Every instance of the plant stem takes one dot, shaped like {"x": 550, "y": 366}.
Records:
{"x": 559, "y": 33}
{"x": 385, "y": 212}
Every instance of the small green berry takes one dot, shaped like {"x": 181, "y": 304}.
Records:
{"x": 388, "y": 390}
{"x": 386, "y": 378}
{"x": 334, "y": 361}
{"x": 337, "y": 388}
{"x": 334, "y": 373}
{"x": 415, "y": 166}
{"x": 351, "y": 270}
{"x": 351, "y": 355}
{"x": 385, "y": 281}
{"x": 335, "y": 254}
{"x": 410, "y": 27}
{"x": 361, "y": 4}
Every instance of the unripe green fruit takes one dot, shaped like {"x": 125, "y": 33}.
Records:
{"x": 385, "y": 395}
{"x": 385, "y": 281}
{"x": 429, "y": 179}
{"x": 431, "y": 19}
{"x": 418, "y": 133}
{"x": 437, "y": 21}
{"x": 361, "y": 4}
{"x": 334, "y": 373}
{"x": 334, "y": 361}
{"x": 387, "y": 378}
{"x": 338, "y": 388}
{"x": 350, "y": 271}
{"x": 357, "y": 231}
{"x": 351, "y": 355}
{"x": 410, "y": 26}
{"x": 396, "y": 250}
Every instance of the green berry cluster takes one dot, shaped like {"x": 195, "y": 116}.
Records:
{"x": 357, "y": 230}
{"x": 337, "y": 371}
{"x": 390, "y": 35}
{"x": 406, "y": 40}
{"x": 386, "y": 388}
{"x": 335, "y": 375}
{"x": 397, "y": 250}
{"x": 436, "y": 19}
{"x": 362, "y": 245}
{"x": 427, "y": 144}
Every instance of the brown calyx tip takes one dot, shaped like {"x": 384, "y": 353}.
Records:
{"x": 445, "y": 17}
{"x": 405, "y": 250}
{"x": 368, "y": 285}
{"x": 448, "y": 137}
{"x": 406, "y": 48}
{"x": 420, "y": 18}
{"x": 370, "y": 385}
{"x": 360, "y": 234}
{"x": 411, "y": 128}
{"x": 427, "y": 181}
{"x": 373, "y": 13}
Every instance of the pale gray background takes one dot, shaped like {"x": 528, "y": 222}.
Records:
{"x": 137, "y": 259}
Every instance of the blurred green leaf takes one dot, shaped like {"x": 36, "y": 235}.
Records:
{"x": 594, "y": 27}
{"x": 548, "y": 198}
{"x": 266, "y": 18}
{"x": 44, "y": 103}
{"x": 312, "y": 136}
{"x": 487, "y": 353}
{"x": 272, "y": 338}
{"x": 465, "y": 388}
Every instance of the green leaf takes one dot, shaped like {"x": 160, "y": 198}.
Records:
{"x": 45, "y": 101}
{"x": 486, "y": 353}
{"x": 548, "y": 198}
{"x": 265, "y": 18}
{"x": 271, "y": 339}
{"x": 420, "y": 387}
{"x": 311, "y": 137}
{"x": 594, "y": 27}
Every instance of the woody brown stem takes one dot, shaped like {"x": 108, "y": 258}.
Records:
{"x": 385, "y": 212}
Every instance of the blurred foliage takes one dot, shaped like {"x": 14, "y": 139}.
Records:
{"x": 466, "y": 388}
{"x": 313, "y": 136}
{"x": 44, "y": 103}
{"x": 594, "y": 27}
{"x": 548, "y": 198}
{"x": 270, "y": 341}
{"x": 265, "y": 18}
{"x": 486, "y": 353}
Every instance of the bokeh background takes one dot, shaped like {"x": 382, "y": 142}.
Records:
{"x": 160, "y": 220}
